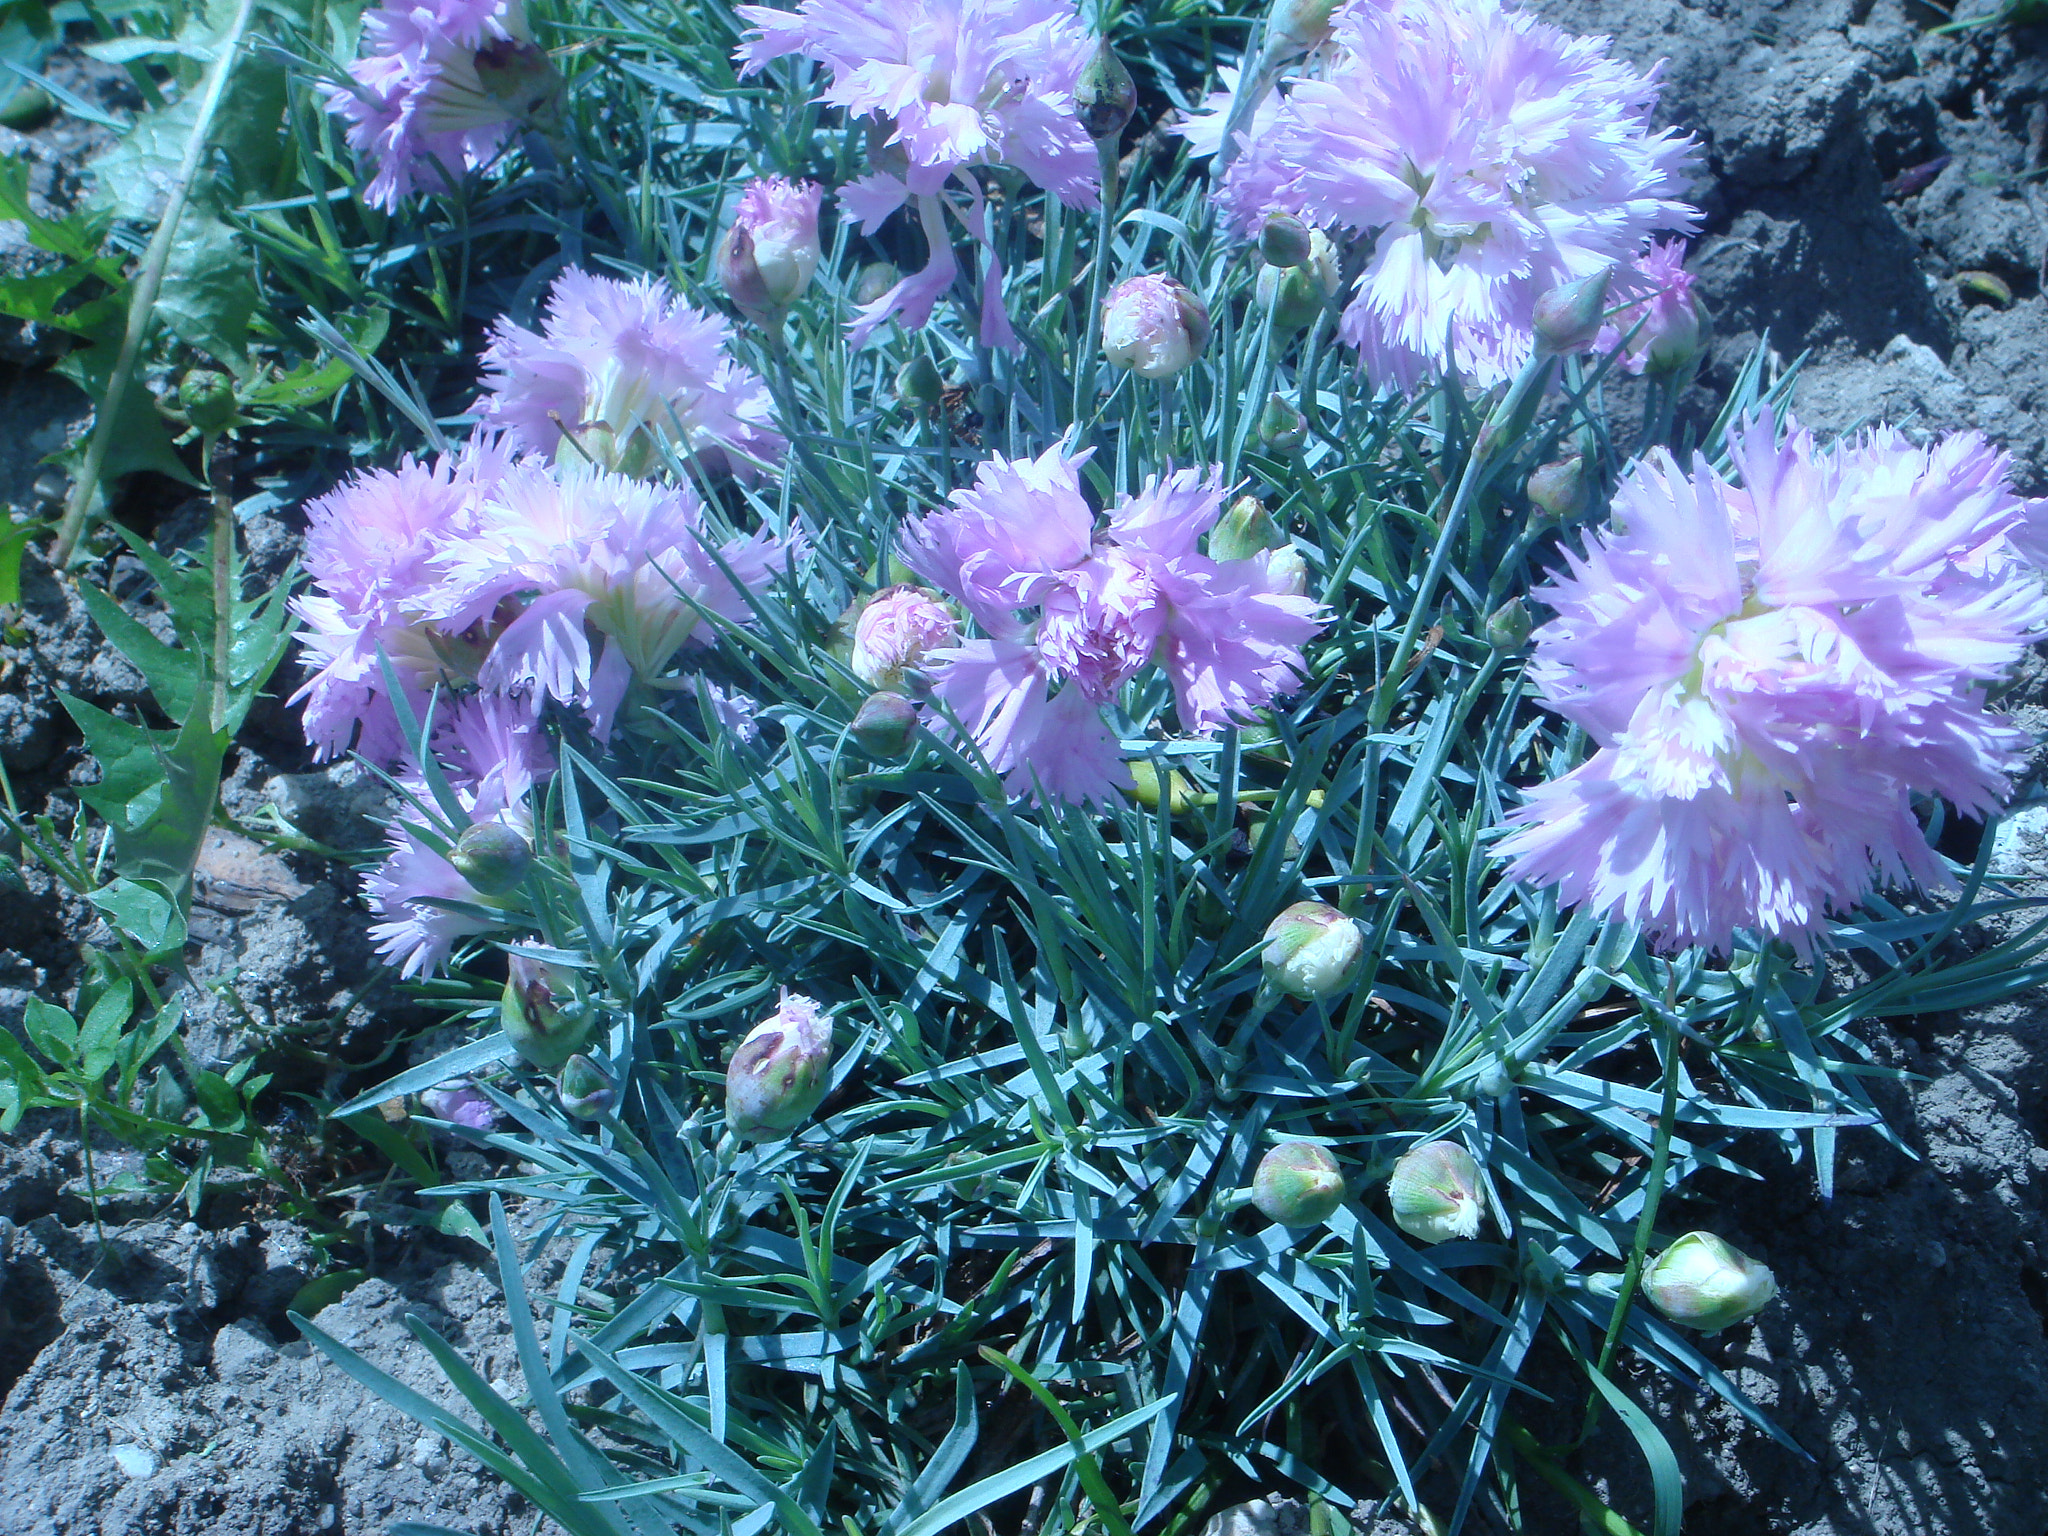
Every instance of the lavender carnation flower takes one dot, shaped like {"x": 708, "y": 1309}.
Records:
{"x": 442, "y": 85}
{"x": 1489, "y": 156}
{"x": 626, "y": 368}
{"x": 953, "y": 84}
{"x": 459, "y": 1103}
{"x": 1023, "y": 537}
{"x": 1659, "y": 319}
{"x": 1770, "y": 672}
{"x": 601, "y": 573}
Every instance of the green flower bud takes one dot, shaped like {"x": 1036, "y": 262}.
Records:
{"x": 1287, "y": 572}
{"x": 1561, "y": 489}
{"x": 875, "y": 279}
{"x": 544, "y": 1013}
{"x": 779, "y": 1075}
{"x": 588, "y": 1091}
{"x": 1281, "y": 425}
{"x": 1435, "y": 1192}
{"x": 1105, "y": 96}
{"x": 918, "y": 382}
{"x": 1298, "y": 1184}
{"x": 1151, "y": 784}
{"x": 491, "y": 857}
{"x": 208, "y": 400}
{"x": 885, "y": 725}
{"x": 1246, "y": 529}
{"x": 1297, "y": 294}
{"x": 1570, "y": 315}
{"x": 1284, "y": 240}
{"x": 1296, "y": 26}
{"x": 1507, "y": 627}
{"x": 1704, "y": 1283}
{"x": 518, "y": 76}
{"x": 1313, "y": 951}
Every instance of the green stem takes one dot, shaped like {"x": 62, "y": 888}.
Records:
{"x": 1098, "y": 269}
{"x": 223, "y": 590}
{"x": 142, "y": 298}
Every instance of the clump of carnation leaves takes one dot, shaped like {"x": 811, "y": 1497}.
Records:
{"x": 957, "y": 715}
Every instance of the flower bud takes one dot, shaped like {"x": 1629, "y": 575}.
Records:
{"x": 1246, "y": 529}
{"x": 884, "y": 725}
{"x": 769, "y": 255}
{"x": 1560, "y": 489}
{"x": 588, "y": 1091}
{"x": 1671, "y": 344}
{"x": 543, "y": 1013}
{"x": 1281, "y": 425}
{"x": 1153, "y": 326}
{"x": 1151, "y": 784}
{"x": 1508, "y": 625}
{"x": 1568, "y": 317}
{"x": 1105, "y": 96}
{"x": 1313, "y": 951}
{"x": 779, "y": 1075}
{"x": 491, "y": 857}
{"x": 1435, "y": 1192}
{"x": 1287, "y": 572}
{"x": 1298, "y": 1184}
{"x": 1299, "y": 293}
{"x": 875, "y": 280}
{"x": 1296, "y": 26}
{"x": 1284, "y": 240}
{"x": 1704, "y": 1283}
{"x": 208, "y": 400}
{"x": 918, "y": 382}
{"x": 518, "y": 76}
{"x": 894, "y": 633}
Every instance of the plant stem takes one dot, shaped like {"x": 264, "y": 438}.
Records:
{"x": 1098, "y": 269}
{"x": 142, "y": 298}
{"x": 223, "y": 551}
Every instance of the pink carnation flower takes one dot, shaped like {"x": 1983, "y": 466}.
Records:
{"x": 1109, "y": 601}
{"x": 605, "y": 577}
{"x": 459, "y": 1103}
{"x": 1488, "y": 156}
{"x": 1659, "y": 320}
{"x": 626, "y": 368}
{"x": 372, "y": 548}
{"x": 897, "y": 629}
{"x": 954, "y": 85}
{"x": 1770, "y": 672}
{"x": 442, "y": 86}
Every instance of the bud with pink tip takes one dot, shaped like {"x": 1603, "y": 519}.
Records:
{"x": 896, "y": 630}
{"x": 767, "y": 258}
{"x": 588, "y": 1091}
{"x": 1705, "y": 1283}
{"x": 544, "y": 1013}
{"x": 778, "y": 1076}
{"x": 1298, "y": 1184}
{"x": 1568, "y": 318}
{"x": 1313, "y": 951}
{"x": 1153, "y": 326}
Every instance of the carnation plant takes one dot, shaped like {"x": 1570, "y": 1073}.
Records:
{"x": 1046, "y": 946}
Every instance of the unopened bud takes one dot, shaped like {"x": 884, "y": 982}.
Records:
{"x": 779, "y": 1075}
{"x": 1674, "y": 342}
{"x": 1313, "y": 951}
{"x": 875, "y": 280}
{"x": 518, "y": 76}
{"x": 1151, "y": 784}
{"x": 543, "y": 1013}
{"x": 918, "y": 382}
{"x": 1705, "y": 1283}
{"x": 491, "y": 857}
{"x": 1560, "y": 489}
{"x": 208, "y": 400}
{"x": 1297, "y": 294}
{"x": 1435, "y": 1192}
{"x": 1287, "y": 572}
{"x": 588, "y": 1091}
{"x": 884, "y": 725}
{"x": 1281, "y": 424}
{"x": 1105, "y": 96}
{"x": 1153, "y": 326}
{"x": 1284, "y": 240}
{"x": 1298, "y": 1184}
{"x": 894, "y": 633}
{"x": 770, "y": 253}
{"x": 1568, "y": 317}
{"x": 1508, "y": 625}
{"x": 1296, "y": 26}
{"x": 1246, "y": 529}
